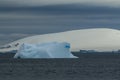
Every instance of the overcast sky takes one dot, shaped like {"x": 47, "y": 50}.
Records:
{"x": 21, "y": 18}
{"x": 110, "y": 3}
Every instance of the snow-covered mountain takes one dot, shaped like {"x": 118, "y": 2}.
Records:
{"x": 100, "y": 39}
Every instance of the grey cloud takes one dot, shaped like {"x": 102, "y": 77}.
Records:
{"x": 41, "y": 24}
{"x": 113, "y": 3}
{"x": 7, "y": 38}
{"x": 68, "y": 9}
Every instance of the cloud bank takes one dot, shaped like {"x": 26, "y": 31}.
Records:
{"x": 110, "y": 3}
{"x": 6, "y": 38}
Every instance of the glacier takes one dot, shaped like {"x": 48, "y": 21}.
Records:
{"x": 98, "y": 39}
{"x": 45, "y": 50}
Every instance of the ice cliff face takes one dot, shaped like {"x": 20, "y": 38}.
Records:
{"x": 45, "y": 50}
{"x": 100, "y": 39}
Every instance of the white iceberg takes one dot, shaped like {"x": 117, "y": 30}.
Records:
{"x": 45, "y": 50}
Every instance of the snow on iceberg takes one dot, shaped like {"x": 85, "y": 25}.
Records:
{"x": 45, "y": 50}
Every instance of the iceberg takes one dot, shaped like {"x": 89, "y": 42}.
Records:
{"x": 45, "y": 50}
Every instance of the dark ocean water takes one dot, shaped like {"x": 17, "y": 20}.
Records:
{"x": 86, "y": 67}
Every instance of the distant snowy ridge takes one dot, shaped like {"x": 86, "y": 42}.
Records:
{"x": 100, "y": 39}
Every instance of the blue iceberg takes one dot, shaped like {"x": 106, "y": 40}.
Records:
{"x": 45, "y": 50}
